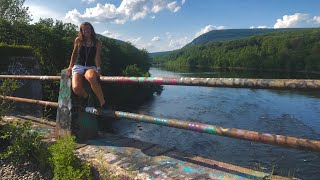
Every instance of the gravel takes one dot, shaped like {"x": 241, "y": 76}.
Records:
{"x": 27, "y": 170}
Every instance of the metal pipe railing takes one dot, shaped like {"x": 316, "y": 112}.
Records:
{"x": 286, "y": 141}
{"x": 33, "y": 101}
{"x": 281, "y": 140}
{"x": 293, "y": 84}
{"x": 266, "y": 138}
{"x": 302, "y": 84}
{"x": 30, "y": 77}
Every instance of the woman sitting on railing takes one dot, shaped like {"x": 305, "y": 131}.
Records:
{"x": 87, "y": 64}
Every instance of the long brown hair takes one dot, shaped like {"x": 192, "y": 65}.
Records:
{"x": 81, "y": 36}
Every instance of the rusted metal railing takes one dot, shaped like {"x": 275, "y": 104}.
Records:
{"x": 293, "y": 84}
{"x": 303, "y": 84}
{"x": 281, "y": 140}
{"x": 30, "y": 77}
{"x": 33, "y": 101}
{"x": 266, "y": 138}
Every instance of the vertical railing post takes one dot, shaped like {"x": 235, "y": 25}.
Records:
{"x": 71, "y": 118}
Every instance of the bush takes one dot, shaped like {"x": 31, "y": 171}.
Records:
{"x": 23, "y": 144}
{"x": 6, "y": 89}
{"x": 20, "y": 143}
{"x": 134, "y": 70}
{"x": 66, "y": 165}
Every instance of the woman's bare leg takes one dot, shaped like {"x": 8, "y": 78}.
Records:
{"x": 92, "y": 76}
{"x": 77, "y": 85}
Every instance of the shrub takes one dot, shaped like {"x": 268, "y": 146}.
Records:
{"x": 134, "y": 70}
{"x": 6, "y": 89}
{"x": 66, "y": 165}
{"x": 24, "y": 144}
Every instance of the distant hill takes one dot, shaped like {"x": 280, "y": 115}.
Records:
{"x": 222, "y": 35}
{"x": 291, "y": 51}
{"x": 156, "y": 54}
{"x": 229, "y": 34}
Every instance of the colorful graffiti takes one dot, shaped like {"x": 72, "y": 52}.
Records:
{"x": 221, "y": 82}
{"x": 294, "y": 84}
{"x": 281, "y": 140}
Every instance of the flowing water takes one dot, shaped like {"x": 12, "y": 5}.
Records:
{"x": 290, "y": 113}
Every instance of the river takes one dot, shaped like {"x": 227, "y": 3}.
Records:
{"x": 290, "y": 113}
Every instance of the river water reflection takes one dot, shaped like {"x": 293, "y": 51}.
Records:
{"x": 271, "y": 111}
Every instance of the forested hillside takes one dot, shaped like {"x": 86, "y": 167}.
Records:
{"x": 289, "y": 50}
{"x": 156, "y": 54}
{"x": 229, "y": 34}
{"x": 220, "y": 36}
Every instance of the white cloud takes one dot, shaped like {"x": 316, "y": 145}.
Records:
{"x": 174, "y": 7}
{"x": 156, "y": 38}
{"x": 111, "y": 34}
{"x": 259, "y": 27}
{"x": 127, "y": 10}
{"x": 147, "y": 46}
{"x": 158, "y": 44}
{"x": 178, "y": 43}
{"x": 100, "y": 13}
{"x": 316, "y": 19}
{"x": 183, "y": 1}
{"x": 135, "y": 41}
{"x": 42, "y": 12}
{"x": 153, "y": 17}
{"x": 88, "y": 1}
{"x": 294, "y": 21}
{"x": 139, "y": 43}
{"x": 207, "y": 29}
{"x": 168, "y": 35}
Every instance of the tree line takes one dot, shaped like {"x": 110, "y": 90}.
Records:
{"x": 289, "y": 50}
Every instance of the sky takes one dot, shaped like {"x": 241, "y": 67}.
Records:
{"x": 165, "y": 25}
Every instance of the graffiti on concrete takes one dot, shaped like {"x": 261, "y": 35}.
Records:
{"x": 17, "y": 68}
{"x": 64, "y": 102}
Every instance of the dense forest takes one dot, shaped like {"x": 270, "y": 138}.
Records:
{"x": 52, "y": 42}
{"x": 221, "y": 36}
{"x": 230, "y": 34}
{"x": 288, "y": 50}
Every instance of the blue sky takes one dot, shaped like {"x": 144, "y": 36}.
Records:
{"x": 163, "y": 25}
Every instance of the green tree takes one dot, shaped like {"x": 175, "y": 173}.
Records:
{"x": 290, "y": 50}
{"x": 14, "y": 11}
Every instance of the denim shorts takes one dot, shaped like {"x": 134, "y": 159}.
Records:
{"x": 79, "y": 69}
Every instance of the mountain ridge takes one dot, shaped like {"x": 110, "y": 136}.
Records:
{"x": 224, "y": 35}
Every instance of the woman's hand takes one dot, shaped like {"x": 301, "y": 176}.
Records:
{"x": 99, "y": 71}
{"x": 69, "y": 69}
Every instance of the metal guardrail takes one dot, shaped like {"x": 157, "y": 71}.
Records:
{"x": 297, "y": 84}
{"x": 266, "y": 138}
{"x": 293, "y": 84}
{"x": 281, "y": 140}
{"x": 33, "y": 101}
{"x": 30, "y": 77}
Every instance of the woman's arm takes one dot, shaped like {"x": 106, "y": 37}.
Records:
{"x": 75, "y": 46}
{"x": 98, "y": 58}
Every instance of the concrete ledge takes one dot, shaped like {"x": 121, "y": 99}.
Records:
{"x": 124, "y": 158}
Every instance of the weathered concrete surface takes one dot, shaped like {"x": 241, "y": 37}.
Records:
{"x": 125, "y": 158}
{"x": 140, "y": 160}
